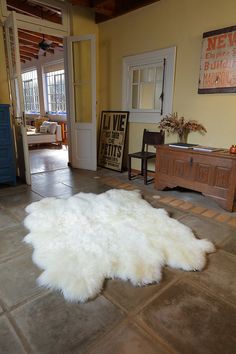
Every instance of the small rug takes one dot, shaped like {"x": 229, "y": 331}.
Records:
{"x": 80, "y": 241}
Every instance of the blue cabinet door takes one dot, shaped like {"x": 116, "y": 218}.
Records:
{"x": 7, "y": 155}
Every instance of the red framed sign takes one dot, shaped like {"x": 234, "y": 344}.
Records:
{"x": 218, "y": 61}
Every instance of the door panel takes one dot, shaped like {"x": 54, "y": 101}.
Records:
{"x": 81, "y": 75}
{"x": 14, "y": 66}
{"x": 84, "y": 136}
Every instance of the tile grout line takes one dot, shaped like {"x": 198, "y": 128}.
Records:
{"x": 13, "y": 256}
{"x": 114, "y": 302}
{"x": 3, "y": 306}
{"x": 140, "y": 323}
{"x": 223, "y": 242}
{"x": 153, "y": 297}
{"x": 106, "y": 335}
{"x": 136, "y": 321}
{"x": 143, "y": 326}
{"x": 19, "y": 334}
{"x": 130, "y": 318}
{"x": 132, "y": 315}
{"x": 29, "y": 299}
{"x": 209, "y": 291}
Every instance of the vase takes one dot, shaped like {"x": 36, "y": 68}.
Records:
{"x": 183, "y": 138}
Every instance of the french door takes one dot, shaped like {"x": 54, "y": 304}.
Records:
{"x": 80, "y": 68}
{"x": 19, "y": 122}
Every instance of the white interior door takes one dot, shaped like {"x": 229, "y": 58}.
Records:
{"x": 80, "y": 67}
{"x": 14, "y": 65}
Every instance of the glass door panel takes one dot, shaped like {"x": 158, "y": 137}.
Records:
{"x": 82, "y": 81}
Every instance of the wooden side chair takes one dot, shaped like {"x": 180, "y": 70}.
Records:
{"x": 149, "y": 138}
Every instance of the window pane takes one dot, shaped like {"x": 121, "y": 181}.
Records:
{"x": 146, "y": 87}
{"x": 55, "y": 81}
{"x": 82, "y": 81}
{"x": 135, "y": 96}
{"x": 135, "y": 75}
{"x": 159, "y": 71}
{"x": 83, "y": 104}
{"x": 82, "y": 61}
{"x": 30, "y": 91}
{"x": 157, "y": 97}
{"x": 147, "y": 74}
{"x": 147, "y": 91}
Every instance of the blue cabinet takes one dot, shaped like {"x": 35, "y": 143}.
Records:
{"x": 7, "y": 156}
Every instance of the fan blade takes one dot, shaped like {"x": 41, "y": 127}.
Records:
{"x": 41, "y": 52}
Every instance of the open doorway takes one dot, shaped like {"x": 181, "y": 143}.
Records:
{"x": 41, "y": 57}
{"x": 80, "y": 88}
{"x": 43, "y": 81}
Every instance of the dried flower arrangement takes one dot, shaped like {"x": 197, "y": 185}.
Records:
{"x": 174, "y": 124}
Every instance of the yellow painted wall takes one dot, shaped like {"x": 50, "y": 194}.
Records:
{"x": 4, "y": 89}
{"x": 167, "y": 23}
{"x": 82, "y": 21}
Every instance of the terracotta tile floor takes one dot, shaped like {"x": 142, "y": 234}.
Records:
{"x": 188, "y": 312}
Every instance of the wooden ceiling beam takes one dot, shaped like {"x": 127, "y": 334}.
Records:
{"x": 51, "y": 9}
{"x": 107, "y": 9}
{"x": 34, "y": 40}
{"x": 105, "y": 3}
{"x": 25, "y": 52}
{"x": 29, "y": 37}
{"x": 26, "y": 43}
{"x": 33, "y": 46}
{"x": 37, "y": 10}
{"x": 54, "y": 39}
{"x": 25, "y": 57}
{"x": 124, "y": 6}
{"x": 86, "y": 3}
{"x": 108, "y": 12}
{"x": 29, "y": 54}
{"x": 103, "y": 7}
{"x": 29, "y": 49}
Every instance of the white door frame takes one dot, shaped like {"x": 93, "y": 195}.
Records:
{"x": 16, "y": 87}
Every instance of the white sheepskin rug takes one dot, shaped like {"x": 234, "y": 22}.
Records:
{"x": 82, "y": 240}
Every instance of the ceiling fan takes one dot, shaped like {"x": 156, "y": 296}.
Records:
{"x": 43, "y": 46}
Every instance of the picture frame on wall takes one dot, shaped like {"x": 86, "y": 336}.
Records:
{"x": 112, "y": 139}
{"x": 218, "y": 61}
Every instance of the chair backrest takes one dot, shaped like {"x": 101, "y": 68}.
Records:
{"x": 152, "y": 138}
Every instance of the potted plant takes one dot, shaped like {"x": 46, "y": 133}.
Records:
{"x": 173, "y": 124}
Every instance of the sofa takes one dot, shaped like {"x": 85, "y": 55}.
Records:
{"x": 48, "y": 133}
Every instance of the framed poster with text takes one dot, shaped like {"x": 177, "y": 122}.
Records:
{"x": 112, "y": 139}
{"x": 218, "y": 61}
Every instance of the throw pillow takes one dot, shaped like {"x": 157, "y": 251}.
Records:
{"x": 38, "y": 122}
{"x": 52, "y": 127}
{"x": 43, "y": 129}
{"x": 46, "y": 124}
